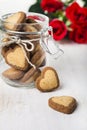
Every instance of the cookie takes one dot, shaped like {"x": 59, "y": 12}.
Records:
{"x": 33, "y": 22}
{"x": 43, "y": 63}
{"x": 64, "y": 104}
{"x": 15, "y": 57}
{"x": 48, "y": 80}
{"x": 28, "y": 75}
{"x": 33, "y": 36}
{"x": 30, "y": 20}
{"x": 33, "y": 77}
{"x": 38, "y": 58}
{"x": 37, "y": 26}
{"x": 29, "y": 28}
{"x": 37, "y": 47}
{"x": 13, "y": 74}
{"x": 6, "y": 39}
{"x": 42, "y": 59}
{"x": 4, "y": 50}
{"x": 13, "y": 21}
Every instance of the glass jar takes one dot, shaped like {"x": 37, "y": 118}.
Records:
{"x": 24, "y": 46}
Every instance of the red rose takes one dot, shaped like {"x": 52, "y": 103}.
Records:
{"x": 59, "y": 29}
{"x": 51, "y": 5}
{"x": 78, "y": 34}
{"x": 76, "y": 14}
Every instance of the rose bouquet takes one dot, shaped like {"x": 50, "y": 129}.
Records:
{"x": 68, "y": 19}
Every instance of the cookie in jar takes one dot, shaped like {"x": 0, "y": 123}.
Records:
{"x": 23, "y": 47}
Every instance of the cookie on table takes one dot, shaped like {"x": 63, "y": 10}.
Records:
{"x": 13, "y": 21}
{"x": 48, "y": 80}
{"x": 64, "y": 104}
{"x": 13, "y": 74}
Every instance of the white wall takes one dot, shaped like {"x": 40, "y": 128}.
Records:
{"x": 8, "y": 6}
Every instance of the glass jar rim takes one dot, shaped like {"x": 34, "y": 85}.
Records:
{"x": 40, "y": 18}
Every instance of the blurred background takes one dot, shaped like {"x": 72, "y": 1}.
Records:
{"x": 8, "y": 6}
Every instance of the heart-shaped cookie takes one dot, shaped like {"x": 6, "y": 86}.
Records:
{"x": 64, "y": 104}
{"x": 13, "y": 20}
{"x": 13, "y": 74}
{"x": 15, "y": 57}
{"x": 48, "y": 80}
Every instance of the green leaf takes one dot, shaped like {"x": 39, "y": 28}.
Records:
{"x": 60, "y": 18}
{"x": 38, "y": 1}
{"x": 85, "y": 3}
{"x": 36, "y": 8}
{"x": 67, "y": 2}
{"x": 68, "y": 23}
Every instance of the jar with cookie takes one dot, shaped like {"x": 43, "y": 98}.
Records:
{"x": 24, "y": 44}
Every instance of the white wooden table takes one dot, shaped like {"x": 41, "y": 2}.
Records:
{"x": 27, "y": 109}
